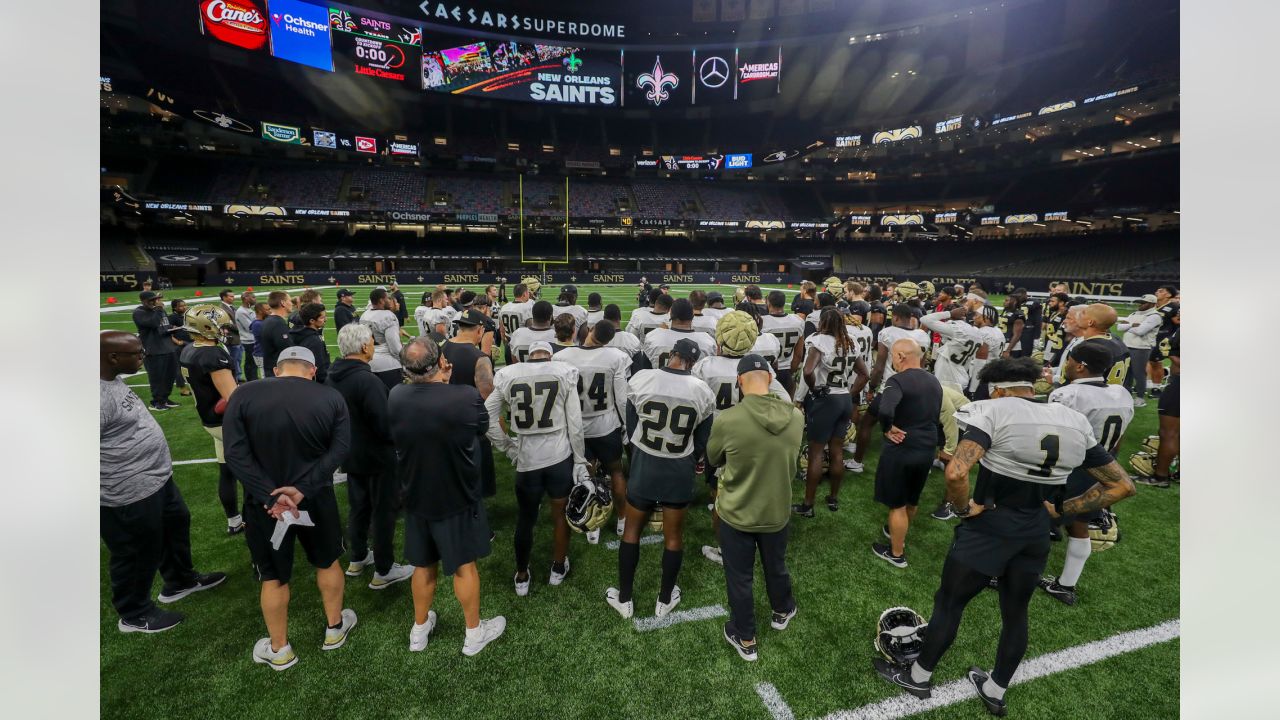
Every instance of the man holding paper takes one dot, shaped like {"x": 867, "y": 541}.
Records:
{"x": 283, "y": 439}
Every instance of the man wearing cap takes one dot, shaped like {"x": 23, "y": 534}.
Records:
{"x": 756, "y": 443}
{"x": 161, "y": 358}
{"x": 1140, "y": 330}
{"x": 668, "y": 422}
{"x": 568, "y": 304}
{"x": 472, "y": 367}
{"x": 345, "y": 311}
{"x": 284, "y": 438}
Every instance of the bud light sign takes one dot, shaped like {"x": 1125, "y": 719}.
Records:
{"x": 235, "y": 22}
{"x": 737, "y": 161}
{"x": 300, "y": 33}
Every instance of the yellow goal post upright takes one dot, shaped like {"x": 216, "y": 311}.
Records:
{"x": 543, "y": 262}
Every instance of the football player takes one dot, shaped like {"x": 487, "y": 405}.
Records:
{"x": 539, "y": 328}
{"x": 986, "y": 320}
{"x": 960, "y": 343}
{"x": 566, "y": 327}
{"x": 603, "y": 372}
{"x": 1025, "y": 451}
{"x": 594, "y": 311}
{"x": 1033, "y": 321}
{"x": 546, "y": 416}
{"x": 767, "y": 346}
{"x": 789, "y": 331}
{"x": 1166, "y": 295}
{"x": 830, "y": 357}
{"x": 628, "y": 343}
{"x": 567, "y": 303}
{"x": 644, "y": 319}
{"x": 1092, "y": 323}
{"x": 659, "y": 342}
{"x": 903, "y": 326}
{"x": 515, "y": 315}
{"x": 1169, "y": 409}
{"x": 385, "y": 326}
{"x": 1054, "y": 337}
{"x": 1012, "y": 323}
{"x": 668, "y": 423}
{"x": 715, "y": 306}
{"x": 206, "y": 365}
{"x": 1109, "y": 409}
{"x": 702, "y": 320}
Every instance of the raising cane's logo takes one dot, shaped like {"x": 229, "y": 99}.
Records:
{"x": 235, "y": 22}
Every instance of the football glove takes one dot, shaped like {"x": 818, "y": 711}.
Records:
{"x": 581, "y": 474}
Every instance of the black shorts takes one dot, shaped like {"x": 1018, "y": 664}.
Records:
{"x": 787, "y": 380}
{"x": 997, "y": 555}
{"x": 646, "y": 505}
{"x": 322, "y": 543}
{"x": 488, "y": 474}
{"x": 873, "y": 407}
{"x": 1079, "y": 481}
{"x": 1157, "y": 352}
{"x": 829, "y": 418}
{"x": 1169, "y": 406}
{"x": 606, "y": 448}
{"x": 453, "y": 541}
{"x": 554, "y": 480}
{"x": 901, "y": 474}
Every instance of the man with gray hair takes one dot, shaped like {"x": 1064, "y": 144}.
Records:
{"x": 436, "y": 427}
{"x": 370, "y": 468}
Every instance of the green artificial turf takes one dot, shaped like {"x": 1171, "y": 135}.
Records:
{"x": 566, "y": 654}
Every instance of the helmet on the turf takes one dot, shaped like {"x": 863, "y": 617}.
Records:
{"x": 589, "y": 506}
{"x": 533, "y": 283}
{"x": 1143, "y": 463}
{"x": 1104, "y": 532}
{"x": 736, "y": 333}
{"x": 927, "y": 290}
{"x": 834, "y": 285}
{"x": 210, "y": 322}
{"x": 900, "y": 635}
{"x": 655, "y": 520}
{"x": 1042, "y": 387}
{"x": 1151, "y": 444}
{"x": 905, "y": 291}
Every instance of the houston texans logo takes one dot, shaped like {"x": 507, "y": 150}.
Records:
{"x": 657, "y": 80}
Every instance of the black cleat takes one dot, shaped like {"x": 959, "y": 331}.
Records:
{"x": 198, "y": 584}
{"x": 153, "y": 622}
{"x": 802, "y": 510}
{"x": 833, "y": 504}
{"x": 1057, "y": 591}
{"x": 901, "y": 676}
{"x": 884, "y": 552}
{"x": 943, "y": 512}
{"x": 1055, "y": 533}
{"x": 745, "y": 651}
{"x": 237, "y": 529}
{"x": 978, "y": 678}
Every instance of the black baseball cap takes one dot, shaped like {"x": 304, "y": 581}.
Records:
{"x": 569, "y": 289}
{"x": 804, "y": 306}
{"x": 751, "y": 363}
{"x": 714, "y": 296}
{"x": 149, "y": 295}
{"x": 470, "y": 318}
{"x": 664, "y": 286}
{"x": 345, "y": 293}
{"x": 687, "y": 349}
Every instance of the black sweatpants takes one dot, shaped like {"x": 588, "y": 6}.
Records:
{"x": 739, "y": 552}
{"x": 960, "y": 584}
{"x": 250, "y": 365}
{"x": 144, "y": 536}
{"x": 162, "y": 372}
{"x": 373, "y": 502}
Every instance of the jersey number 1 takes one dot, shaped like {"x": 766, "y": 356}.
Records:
{"x": 1050, "y": 445}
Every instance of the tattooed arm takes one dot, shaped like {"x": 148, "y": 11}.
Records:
{"x": 1113, "y": 486}
{"x": 967, "y": 455}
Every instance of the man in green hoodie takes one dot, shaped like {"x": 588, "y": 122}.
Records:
{"x": 757, "y": 443}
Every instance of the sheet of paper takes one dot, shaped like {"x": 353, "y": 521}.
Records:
{"x": 285, "y": 522}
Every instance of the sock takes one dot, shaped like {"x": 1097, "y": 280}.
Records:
{"x": 1078, "y": 550}
{"x": 475, "y": 633}
{"x": 335, "y": 627}
{"x": 919, "y": 674}
{"x": 671, "y": 560}
{"x": 628, "y": 558}
{"x": 991, "y": 689}
{"x": 234, "y": 521}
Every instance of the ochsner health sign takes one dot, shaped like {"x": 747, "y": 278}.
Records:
{"x": 481, "y": 17}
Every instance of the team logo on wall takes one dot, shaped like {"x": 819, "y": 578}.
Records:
{"x": 250, "y": 210}
{"x": 235, "y": 22}
{"x": 1021, "y": 218}
{"x": 780, "y": 155}
{"x": 714, "y": 72}
{"x": 912, "y": 219}
{"x": 1057, "y": 107}
{"x": 225, "y": 122}
{"x": 324, "y": 139}
{"x": 889, "y": 136}
{"x": 366, "y": 144}
{"x": 657, "y": 81}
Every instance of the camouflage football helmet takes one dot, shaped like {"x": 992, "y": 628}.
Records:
{"x": 927, "y": 290}
{"x": 210, "y": 322}
{"x": 905, "y": 291}
{"x": 834, "y": 285}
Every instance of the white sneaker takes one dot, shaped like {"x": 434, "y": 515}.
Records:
{"x": 397, "y": 573}
{"x": 622, "y": 525}
{"x": 335, "y": 638}
{"x": 593, "y": 537}
{"x": 712, "y": 553}
{"x": 277, "y": 660}
{"x": 522, "y": 586}
{"x": 419, "y": 634}
{"x": 625, "y": 609}
{"x": 355, "y": 568}
{"x": 661, "y": 609}
{"x": 853, "y": 465}
{"x": 485, "y": 633}
{"x": 557, "y": 578}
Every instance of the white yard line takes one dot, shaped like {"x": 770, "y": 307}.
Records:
{"x": 194, "y": 462}
{"x": 903, "y": 705}
{"x": 644, "y": 540}
{"x": 681, "y": 616}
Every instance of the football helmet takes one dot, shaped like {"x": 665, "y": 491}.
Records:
{"x": 927, "y": 290}
{"x": 1151, "y": 444}
{"x": 834, "y": 285}
{"x": 1042, "y": 387}
{"x": 739, "y": 294}
{"x": 900, "y": 635}
{"x": 1143, "y": 463}
{"x": 905, "y": 291}
{"x": 1104, "y": 532}
{"x": 655, "y": 521}
{"x": 1038, "y": 356}
{"x": 533, "y": 283}
{"x": 736, "y": 333}
{"x": 210, "y": 322}
{"x": 589, "y": 506}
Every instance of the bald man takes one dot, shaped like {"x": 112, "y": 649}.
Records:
{"x": 143, "y": 519}
{"x": 1092, "y": 323}
{"x": 910, "y": 407}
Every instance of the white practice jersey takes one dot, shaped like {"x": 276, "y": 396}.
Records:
{"x": 832, "y": 371}
{"x": 545, "y": 413}
{"x": 768, "y": 347}
{"x": 865, "y": 342}
{"x": 1036, "y": 442}
{"x": 578, "y": 312}
{"x": 643, "y": 320}
{"x": 593, "y": 317}
{"x": 385, "y": 327}
{"x": 657, "y": 344}
{"x": 706, "y": 323}
{"x": 715, "y": 314}
{"x": 522, "y": 338}
{"x": 720, "y": 373}
{"x": 626, "y": 342}
{"x": 669, "y": 408}
{"x": 1109, "y": 408}
{"x": 994, "y": 340}
{"x": 514, "y": 315}
{"x": 427, "y": 318}
{"x": 789, "y": 330}
{"x": 602, "y": 386}
{"x": 892, "y": 334}
{"x": 953, "y": 360}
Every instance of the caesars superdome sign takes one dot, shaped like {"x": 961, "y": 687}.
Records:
{"x": 482, "y": 17}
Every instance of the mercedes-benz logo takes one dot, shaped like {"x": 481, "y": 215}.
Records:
{"x": 714, "y": 72}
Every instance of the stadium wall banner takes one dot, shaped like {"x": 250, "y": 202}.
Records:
{"x": 510, "y": 70}
{"x": 287, "y": 134}
{"x": 896, "y": 135}
{"x": 491, "y": 20}
{"x": 300, "y": 33}
{"x": 236, "y": 22}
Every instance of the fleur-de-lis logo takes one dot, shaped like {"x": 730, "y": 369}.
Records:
{"x": 657, "y": 80}
{"x": 573, "y": 63}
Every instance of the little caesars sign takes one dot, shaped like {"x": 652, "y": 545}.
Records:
{"x": 479, "y": 17}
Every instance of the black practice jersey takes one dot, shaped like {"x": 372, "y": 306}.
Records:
{"x": 198, "y": 365}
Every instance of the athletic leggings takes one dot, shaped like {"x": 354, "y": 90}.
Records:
{"x": 526, "y": 516}
{"x": 227, "y": 491}
{"x": 960, "y": 584}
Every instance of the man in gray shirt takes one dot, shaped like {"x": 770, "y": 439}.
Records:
{"x": 143, "y": 518}
{"x": 244, "y": 317}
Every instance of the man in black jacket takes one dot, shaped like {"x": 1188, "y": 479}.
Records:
{"x": 402, "y": 309}
{"x": 275, "y": 331}
{"x": 311, "y": 337}
{"x": 371, "y": 485}
{"x": 162, "y": 357}
{"x": 283, "y": 438}
{"x": 345, "y": 311}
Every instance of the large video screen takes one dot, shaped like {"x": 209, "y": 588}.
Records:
{"x": 522, "y": 71}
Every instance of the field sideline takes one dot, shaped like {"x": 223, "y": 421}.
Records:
{"x": 566, "y": 654}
